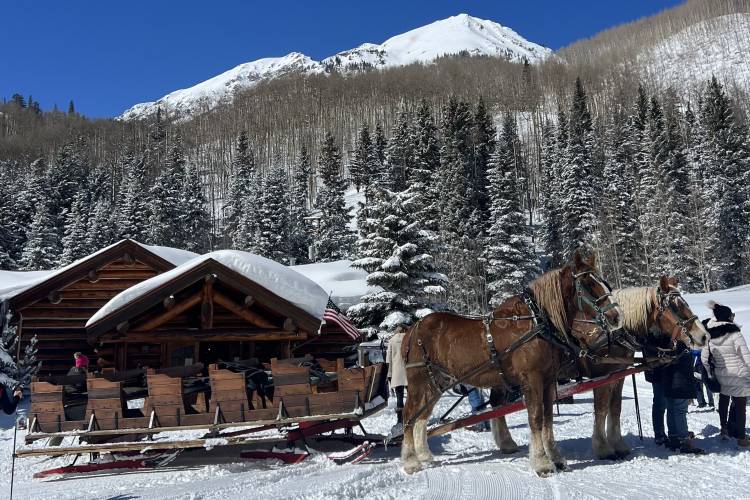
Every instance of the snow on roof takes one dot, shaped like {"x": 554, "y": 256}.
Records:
{"x": 345, "y": 284}
{"x": 274, "y": 277}
{"x": 13, "y": 283}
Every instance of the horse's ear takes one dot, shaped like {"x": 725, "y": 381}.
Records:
{"x": 674, "y": 281}
{"x": 577, "y": 259}
{"x": 664, "y": 284}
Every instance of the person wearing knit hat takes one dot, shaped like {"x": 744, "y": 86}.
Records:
{"x": 730, "y": 360}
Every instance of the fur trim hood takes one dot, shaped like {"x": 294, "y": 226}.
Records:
{"x": 718, "y": 329}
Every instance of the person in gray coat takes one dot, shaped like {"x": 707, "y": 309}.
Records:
{"x": 730, "y": 362}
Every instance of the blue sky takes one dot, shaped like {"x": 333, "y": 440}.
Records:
{"x": 108, "y": 55}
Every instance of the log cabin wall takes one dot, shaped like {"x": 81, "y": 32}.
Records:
{"x": 56, "y": 310}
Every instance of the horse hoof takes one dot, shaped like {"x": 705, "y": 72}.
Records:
{"x": 425, "y": 457}
{"x": 620, "y": 454}
{"x": 545, "y": 469}
{"x": 509, "y": 449}
{"x": 412, "y": 466}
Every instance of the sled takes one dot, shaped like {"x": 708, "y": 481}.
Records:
{"x": 119, "y": 463}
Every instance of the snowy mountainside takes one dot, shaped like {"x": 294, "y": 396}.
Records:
{"x": 718, "y": 46}
{"x": 213, "y": 91}
{"x": 454, "y": 35}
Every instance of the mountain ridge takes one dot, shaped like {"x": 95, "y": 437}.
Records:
{"x": 451, "y": 36}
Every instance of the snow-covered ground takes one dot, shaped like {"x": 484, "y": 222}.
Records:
{"x": 467, "y": 463}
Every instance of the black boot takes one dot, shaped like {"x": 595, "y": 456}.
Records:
{"x": 399, "y": 415}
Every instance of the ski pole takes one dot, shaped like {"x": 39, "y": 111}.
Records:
{"x": 637, "y": 408}
{"x": 13, "y": 460}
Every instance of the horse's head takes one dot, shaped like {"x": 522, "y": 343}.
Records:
{"x": 593, "y": 297}
{"x": 674, "y": 317}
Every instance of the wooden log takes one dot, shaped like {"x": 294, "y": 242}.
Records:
{"x": 249, "y": 316}
{"x": 249, "y": 301}
{"x": 290, "y": 325}
{"x": 164, "y": 317}
{"x": 207, "y": 306}
{"x": 123, "y": 327}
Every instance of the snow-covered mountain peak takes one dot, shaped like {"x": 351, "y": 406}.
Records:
{"x": 455, "y": 35}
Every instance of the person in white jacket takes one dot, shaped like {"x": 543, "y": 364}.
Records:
{"x": 397, "y": 370}
{"x": 731, "y": 364}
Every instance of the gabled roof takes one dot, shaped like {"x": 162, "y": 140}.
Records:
{"x": 23, "y": 288}
{"x": 273, "y": 285}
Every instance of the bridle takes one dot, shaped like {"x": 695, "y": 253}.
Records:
{"x": 584, "y": 297}
{"x": 667, "y": 303}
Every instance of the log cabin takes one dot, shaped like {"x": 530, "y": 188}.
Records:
{"x": 55, "y": 305}
{"x": 224, "y": 306}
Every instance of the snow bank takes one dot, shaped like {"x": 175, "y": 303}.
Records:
{"x": 274, "y": 277}
{"x": 345, "y": 284}
{"x": 13, "y": 283}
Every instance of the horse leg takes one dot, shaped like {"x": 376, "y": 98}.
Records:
{"x": 614, "y": 434}
{"x": 548, "y": 433}
{"x": 414, "y": 443}
{"x": 602, "y": 448}
{"x": 538, "y": 459}
{"x": 500, "y": 432}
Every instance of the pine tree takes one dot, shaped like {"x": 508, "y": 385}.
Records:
{"x": 509, "y": 252}
{"x": 333, "y": 239}
{"x": 242, "y": 187}
{"x": 41, "y": 250}
{"x": 273, "y": 217}
{"x": 300, "y": 237}
{"x": 725, "y": 163}
{"x": 76, "y": 231}
{"x": 578, "y": 190}
{"x": 195, "y": 219}
{"x": 483, "y": 139}
{"x": 133, "y": 211}
{"x": 362, "y": 158}
{"x": 379, "y": 145}
{"x": 65, "y": 177}
{"x": 423, "y": 192}
{"x": 551, "y": 210}
{"x": 395, "y": 254}
{"x": 102, "y": 230}
{"x": 71, "y": 108}
{"x": 166, "y": 196}
{"x": 9, "y": 376}
{"x": 400, "y": 154}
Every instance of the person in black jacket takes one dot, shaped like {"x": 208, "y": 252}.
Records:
{"x": 673, "y": 389}
{"x": 9, "y": 399}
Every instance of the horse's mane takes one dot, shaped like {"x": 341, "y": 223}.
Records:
{"x": 636, "y": 304}
{"x": 547, "y": 290}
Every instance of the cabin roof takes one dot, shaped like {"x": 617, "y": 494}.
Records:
{"x": 274, "y": 285}
{"x": 21, "y": 288}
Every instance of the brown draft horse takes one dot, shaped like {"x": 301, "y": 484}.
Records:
{"x": 443, "y": 348}
{"x": 659, "y": 309}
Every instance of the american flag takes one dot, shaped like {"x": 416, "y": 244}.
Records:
{"x": 334, "y": 316}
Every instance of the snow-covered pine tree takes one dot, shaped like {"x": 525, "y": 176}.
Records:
{"x": 29, "y": 366}
{"x": 483, "y": 139}
{"x": 41, "y": 250}
{"x": 7, "y": 235}
{"x": 32, "y": 191}
{"x": 379, "y": 146}
{"x": 621, "y": 238}
{"x": 423, "y": 192}
{"x": 395, "y": 254}
{"x": 578, "y": 189}
{"x": 195, "y": 219}
{"x": 333, "y": 238}
{"x": 9, "y": 376}
{"x": 361, "y": 159}
{"x": 166, "y": 195}
{"x": 300, "y": 237}
{"x": 675, "y": 191}
{"x": 511, "y": 262}
{"x": 273, "y": 216}
{"x": 242, "y": 188}
{"x": 551, "y": 237}
{"x": 133, "y": 209}
{"x": 76, "y": 230}
{"x": 725, "y": 165}
{"x": 102, "y": 230}
{"x": 400, "y": 154}
{"x": 66, "y": 175}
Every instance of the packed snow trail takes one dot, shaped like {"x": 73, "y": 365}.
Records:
{"x": 467, "y": 464}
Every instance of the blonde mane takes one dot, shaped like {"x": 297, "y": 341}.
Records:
{"x": 547, "y": 291}
{"x": 636, "y": 304}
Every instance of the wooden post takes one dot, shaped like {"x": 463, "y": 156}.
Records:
{"x": 207, "y": 307}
